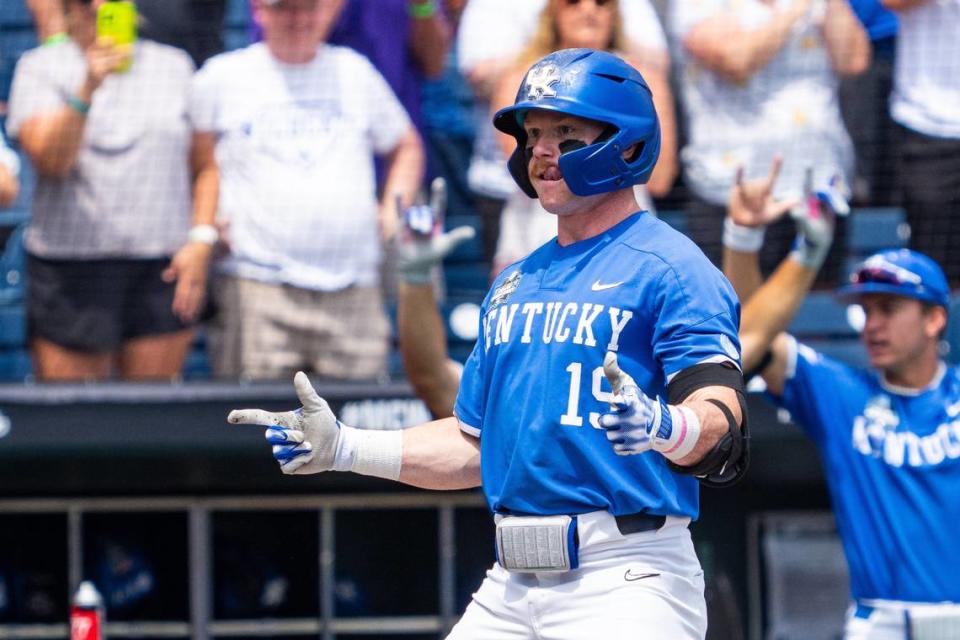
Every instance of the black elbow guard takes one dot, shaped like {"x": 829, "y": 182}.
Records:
{"x": 725, "y": 464}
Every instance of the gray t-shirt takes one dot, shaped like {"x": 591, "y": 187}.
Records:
{"x": 129, "y": 193}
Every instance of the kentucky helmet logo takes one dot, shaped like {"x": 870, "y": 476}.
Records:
{"x": 541, "y": 82}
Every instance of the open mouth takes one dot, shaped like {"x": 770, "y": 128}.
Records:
{"x": 550, "y": 174}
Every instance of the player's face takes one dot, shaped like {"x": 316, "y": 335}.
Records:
{"x": 898, "y": 330}
{"x": 584, "y": 23}
{"x": 293, "y": 29}
{"x": 546, "y": 131}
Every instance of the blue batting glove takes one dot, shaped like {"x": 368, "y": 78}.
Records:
{"x": 636, "y": 420}
{"x": 304, "y": 440}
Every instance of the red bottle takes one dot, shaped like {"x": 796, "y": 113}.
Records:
{"x": 87, "y": 614}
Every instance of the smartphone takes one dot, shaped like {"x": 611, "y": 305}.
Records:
{"x": 117, "y": 20}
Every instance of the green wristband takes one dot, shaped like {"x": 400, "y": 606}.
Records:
{"x": 422, "y": 10}
{"x": 78, "y": 105}
{"x": 55, "y": 39}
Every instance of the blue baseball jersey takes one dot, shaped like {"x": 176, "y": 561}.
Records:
{"x": 533, "y": 388}
{"x": 892, "y": 462}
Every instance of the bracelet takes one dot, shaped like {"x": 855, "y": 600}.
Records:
{"x": 78, "y": 105}
{"x": 204, "y": 233}
{"x": 740, "y": 238}
{"x": 422, "y": 10}
{"x": 55, "y": 39}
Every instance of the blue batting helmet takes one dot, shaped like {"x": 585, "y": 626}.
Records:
{"x": 900, "y": 272}
{"x": 598, "y": 86}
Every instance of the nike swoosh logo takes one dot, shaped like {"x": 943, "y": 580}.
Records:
{"x": 630, "y": 576}
{"x": 603, "y": 287}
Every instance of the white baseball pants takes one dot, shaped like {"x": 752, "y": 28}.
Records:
{"x": 642, "y": 586}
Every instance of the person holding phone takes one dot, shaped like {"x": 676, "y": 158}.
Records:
{"x": 111, "y": 149}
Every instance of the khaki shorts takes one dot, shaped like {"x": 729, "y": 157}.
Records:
{"x": 268, "y": 331}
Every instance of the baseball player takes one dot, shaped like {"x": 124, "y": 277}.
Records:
{"x": 889, "y": 436}
{"x": 604, "y": 383}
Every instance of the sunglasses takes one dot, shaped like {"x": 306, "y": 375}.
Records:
{"x": 599, "y": 3}
{"x": 883, "y": 272}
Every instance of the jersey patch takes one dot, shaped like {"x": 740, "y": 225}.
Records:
{"x": 502, "y": 293}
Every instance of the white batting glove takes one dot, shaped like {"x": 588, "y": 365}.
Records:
{"x": 815, "y": 218}
{"x": 304, "y": 440}
{"x": 639, "y": 423}
{"x": 422, "y": 244}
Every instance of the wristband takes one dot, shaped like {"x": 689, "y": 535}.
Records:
{"x": 740, "y": 238}
{"x": 78, "y": 105}
{"x": 369, "y": 452}
{"x": 676, "y": 440}
{"x": 204, "y": 233}
{"x": 55, "y": 39}
{"x": 422, "y": 10}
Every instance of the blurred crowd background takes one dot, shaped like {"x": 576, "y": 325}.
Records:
{"x": 220, "y": 198}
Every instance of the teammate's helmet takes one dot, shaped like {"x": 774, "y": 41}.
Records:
{"x": 598, "y": 86}
{"x": 899, "y": 272}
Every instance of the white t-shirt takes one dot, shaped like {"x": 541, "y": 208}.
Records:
{"x": 926, "y": 79}
{"x": 789, "y": 106}
{"x": 499, "y": 29}
{"x": 128, "y": 196}
{"x": 295, "y": 148}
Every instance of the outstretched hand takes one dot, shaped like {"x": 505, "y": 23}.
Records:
{"x": 304, "y": 440}
{"x": 422, "y": 242}
{"x": 751, "y": 202}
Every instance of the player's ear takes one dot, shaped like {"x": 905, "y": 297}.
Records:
{"x": 631, "y": 152}
{"x": 935, "y": 320}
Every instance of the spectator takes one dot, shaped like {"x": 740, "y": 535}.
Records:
{"x": 593, "y": 24}
{"x": 760, "y": 78}
{"x": 9, "y": 170}
{"x": 196, "y": 26}
{"x": 291, "y": 126}
{"x": 492, "y": 35}
{"x": 406, "y": 40}
{"x": 926, "y": 105}
{"x": 111, "y": 203}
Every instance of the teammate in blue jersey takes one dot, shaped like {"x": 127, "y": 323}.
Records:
{"x": 604, "y": 383}
{"x": 889, "y": 436}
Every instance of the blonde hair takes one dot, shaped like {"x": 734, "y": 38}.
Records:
{"x": 546, "y": 39}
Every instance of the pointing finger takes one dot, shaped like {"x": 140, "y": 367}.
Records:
{"x": 263, "y": 418}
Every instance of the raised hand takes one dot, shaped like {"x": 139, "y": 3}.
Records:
{"x": 304, "y": 440}
{"x": 751, "y": 202}
{"x": 815, "y": 218}
{"x": 422, "y": 242}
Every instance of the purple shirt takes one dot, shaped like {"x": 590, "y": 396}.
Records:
{"x": 380, "y": 30}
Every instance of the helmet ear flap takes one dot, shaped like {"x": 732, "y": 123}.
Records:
{"x": 519, "y": 166}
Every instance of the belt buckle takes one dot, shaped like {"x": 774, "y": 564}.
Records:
{"x": 537, "y": 544}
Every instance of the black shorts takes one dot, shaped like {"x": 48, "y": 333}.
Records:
{"x": 96, "y": 305}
